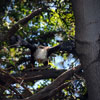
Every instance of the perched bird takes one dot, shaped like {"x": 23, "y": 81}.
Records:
{"x": 41, "y": 53}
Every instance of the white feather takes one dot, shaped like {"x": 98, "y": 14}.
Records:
{"x": 41, "y": 54}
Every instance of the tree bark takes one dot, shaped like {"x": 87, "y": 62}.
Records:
{"x": 87, "y": 20}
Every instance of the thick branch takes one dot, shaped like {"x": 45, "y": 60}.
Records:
{"x": 23, "y": 21}
{"x": 55, "y": 85}
{"x": 58, "y": 81}
{"x": 38, "y": 74}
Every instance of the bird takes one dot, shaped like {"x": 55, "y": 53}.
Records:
{"x": 41, "y": 53}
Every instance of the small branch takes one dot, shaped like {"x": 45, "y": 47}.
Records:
{"x": 17, "y": 93}
{"x": 3, "y": 87}
{"x": 13, "y": 79}
{"x": 46, "y": 35}
{"x": 54, "y": 91}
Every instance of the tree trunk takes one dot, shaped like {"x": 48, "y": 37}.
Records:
{"x": 87, "y": 20}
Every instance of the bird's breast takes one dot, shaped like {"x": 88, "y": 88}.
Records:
{"x": 41, "y": 54}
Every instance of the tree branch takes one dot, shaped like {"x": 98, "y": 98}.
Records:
{"x": 56, "y": 83}
{"x": 17, "y": 93}
{"x": 54, "y": 91}
{"x": 23, "y": 21}
{"x": 13, "y": 79}
{"x": 38, "y": 73}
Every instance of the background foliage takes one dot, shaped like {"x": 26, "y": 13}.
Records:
{"x": 48, "y": 28}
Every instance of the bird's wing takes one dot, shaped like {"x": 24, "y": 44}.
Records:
{"x": 68, "y": 46}
{"x": 53, "y": 49}
{"x": 21, "y": 42}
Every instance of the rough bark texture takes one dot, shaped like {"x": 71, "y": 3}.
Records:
{"x": 87, "y": 17}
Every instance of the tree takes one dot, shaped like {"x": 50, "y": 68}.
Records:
{"x": 87, "y": 44}
{"x": 35, "y": 22}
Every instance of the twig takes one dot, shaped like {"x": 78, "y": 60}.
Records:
{"x": 54, "y": 91}
{"x": 17, "y": 93}
{"x": 17, "y": 81}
